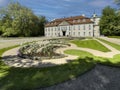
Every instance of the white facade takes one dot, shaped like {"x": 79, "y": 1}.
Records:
{"x": 96, "y": 26}
{"x": 81, "y": 30}
{"x": 64, "y": 28}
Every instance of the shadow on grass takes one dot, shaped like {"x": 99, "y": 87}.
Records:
{"x": 14, "y": 60}
{"x": 12, "y": 78}
{"x": 31, "y": 78}
{"x": 107, "y": 62}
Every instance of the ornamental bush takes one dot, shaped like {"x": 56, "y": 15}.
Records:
{"x": 42, "y": 50}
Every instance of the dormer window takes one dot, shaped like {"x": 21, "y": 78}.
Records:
{"x": 52, "y": 23}
{"x": 78, "y": 20}
{"x": 73, "y": 21}
{"x": 84, "y": 20}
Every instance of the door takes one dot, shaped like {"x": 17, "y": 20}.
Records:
{"x": 64, "y": 33}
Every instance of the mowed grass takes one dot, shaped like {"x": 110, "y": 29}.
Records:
{"x": 78, "y": 53}
{"x": 92, "y": 44}
{"x": 12, "y": 78}
{"x": 115, "y": 61}
{"x": 116, "y": 46}
{"x": 114, "y": 37}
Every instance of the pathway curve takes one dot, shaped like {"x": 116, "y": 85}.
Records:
{"x": 113, "y": 40}
{"x": 94, "y": 52}
{"x": 10, "y": 57}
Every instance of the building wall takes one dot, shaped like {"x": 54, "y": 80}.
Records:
{"x": 96, "y": 31}
{"x": 96, "y": 26}
{"x": 81, "y": 30}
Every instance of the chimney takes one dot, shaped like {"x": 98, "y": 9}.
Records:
{"x": 83, "y": 15}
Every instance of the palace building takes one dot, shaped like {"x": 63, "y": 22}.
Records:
{"x": 77, "y": 26}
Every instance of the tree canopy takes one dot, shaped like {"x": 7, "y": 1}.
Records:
{"x": 109, "y": 23}
{"x": 17, "y": 20}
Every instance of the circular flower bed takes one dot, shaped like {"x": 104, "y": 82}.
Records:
{"x": 42, "y": 50}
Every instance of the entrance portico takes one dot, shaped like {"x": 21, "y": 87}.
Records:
{"x": 64, "y": 28}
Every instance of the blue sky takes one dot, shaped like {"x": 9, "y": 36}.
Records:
{"x": 63, "y": 8}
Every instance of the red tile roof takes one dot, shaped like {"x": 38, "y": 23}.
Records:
{"x": 71, "y": 20}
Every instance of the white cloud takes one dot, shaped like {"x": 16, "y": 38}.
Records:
{"x": 101, "y": 3}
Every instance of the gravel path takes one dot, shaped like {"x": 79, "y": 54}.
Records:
{"x": 99, "y": 78}
{"x": 94, "y": 52}
{"x": 113, "y": 40}
{"x": 10, "y": 57}
{"x": 7, "y": 42}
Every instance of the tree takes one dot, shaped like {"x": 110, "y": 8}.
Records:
{"x": 107, "y": 21}
{"x": 42, "y": 22}
{"x": 17, "y": 20}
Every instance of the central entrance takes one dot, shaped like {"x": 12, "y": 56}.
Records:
{"x": 64, "y": 33}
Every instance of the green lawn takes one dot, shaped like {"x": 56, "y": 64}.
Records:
{"x": 31, "y": 78}
{"x": 92, "y": 44}
{"x": 78, "y": 53}
{"x": 115, "y": 61}
{"x": 114, "y": 37}
{"x": 116, "y": 46}
{"x": 12, "y": 78}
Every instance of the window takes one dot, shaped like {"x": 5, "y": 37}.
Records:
{"x": 79, "y": 27}
{"x": 74, "y": 33}
{"x": 84, "y": 27}
{"x": 89, "y": 33}
{"x": 84, "y": 20}
{"x": 89, "y": 27}
{"x": 79, "y": 33}
{"x": 51, "y": 29}
{"x": 65, "y": 28}
{"x": 84, "y": 33}
{"x": 69, "y": 28}
{"x": 74, "y": 27}
{"x": 73, "y": 21}
{"x": 69, "y": 33}
{"x": 78, "y": 20}
{"x": 58, "y": 28}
